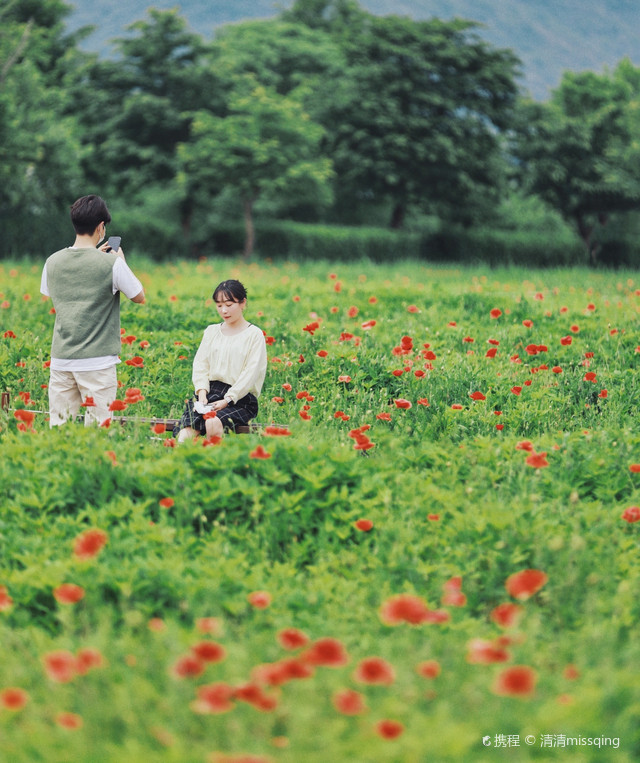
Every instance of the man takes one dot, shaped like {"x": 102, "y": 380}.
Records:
{"x": 84, "y": 283}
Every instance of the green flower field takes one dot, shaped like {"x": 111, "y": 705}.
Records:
{"x": 426, "y": 551}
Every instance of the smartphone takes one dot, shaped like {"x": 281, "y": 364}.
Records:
{"x": 114, "y": 243}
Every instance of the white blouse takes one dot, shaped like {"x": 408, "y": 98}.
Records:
{"x": 239, "y": 360}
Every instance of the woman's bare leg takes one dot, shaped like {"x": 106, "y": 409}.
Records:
{"x": 214, "y": 427}
{"x": 188, "y": 433}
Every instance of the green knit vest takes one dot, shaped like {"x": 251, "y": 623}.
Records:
{"x": 80, "y": 283}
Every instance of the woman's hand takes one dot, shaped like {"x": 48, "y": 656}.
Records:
{"x": 219, "y": 405}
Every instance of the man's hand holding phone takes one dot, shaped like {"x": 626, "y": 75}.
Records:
{"x": 113, "y": 245}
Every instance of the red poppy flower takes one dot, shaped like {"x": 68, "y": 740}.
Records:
{"x": 188, "y": 666}
{"x": 368, "y": 324}
{"x": 254, "y": 695}
{"x": 403, "y": 608}
{"x": 383, "y": 416}
{"x": 322, "y": 353}
{"x": 521, "y": 585}
{"x": 136, "y": 362}
{"x": 516, "y": 390}
{"x": 349, "y": 702}
{"x": 589, "y": 376}
{"x": 575, "y": 329}
{"x": 68, "y": 593}
{"x": 362, "y": 442}
{"x": 209, "y": 651}
{"x": 537, "y": 460}
{"x": 13, "y": 698}
{"x": 571, "y": 673}
{"x": 274, "y": 431}
{"x": 60, "y": 666}
{"x": 292, "y": 638}
{"x": 374, "y": 670}
{"x": 483, "y": 652}
{"x": 422, "y": 401}
{"x": 506, "y": 615}
{"x": 603, "y": 394}
{"x": 6, "y": 602}
{"x": 525, "y": 445}
{"x": 70, "y": 721}
{"x": 491, "y": 353}
{"x": 515, "y": 681}
{"x": 328, "y": 652}
{"x": 88, "y": 659}
{"x": 311, "y": 327}
{"x": 259, "y": 599}
{"x": 130, "y": 339}
{"x": 167, "y": 503}
{"x": 456, "y": 407}
{"x": 344, "y": 378}
{"x": 26, "y": 417}
{"x": 496, "y": 312}
{"x": 634, "y": 468}
{"x": 477, "y": 396}
{"x": 412, "y": 309}
{"x": 133, "y": 395}
{"x": 260, "y": 452}
{"x": 566, "y": 340}
{"x": 117, "y": 405}
{"x": 389, "y": 729}
{"x": 211, "y": 625}
{"x": 632, "y": 514}
{"x": 283, "y": 671}
{"x": 364, "y": 524}
{"x": 159, "y": 428}
{"x": 89, "y": 543}
{"x": 214, "y": 698}
{"x": 528, "y": 323}
{"x": 428, "y": 669}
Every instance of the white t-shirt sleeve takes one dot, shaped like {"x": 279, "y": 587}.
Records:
{"x": 44, "y": 286}
{"x": 124, "y": 280}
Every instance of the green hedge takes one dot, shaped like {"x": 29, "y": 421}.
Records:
{"x": 493, "y": 247}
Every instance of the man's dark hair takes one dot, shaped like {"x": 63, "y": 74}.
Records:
{"x": 87, "y": 213}
{"x": 230, "y": 290}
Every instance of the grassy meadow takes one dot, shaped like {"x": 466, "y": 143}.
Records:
{"x": 428, "y": 551}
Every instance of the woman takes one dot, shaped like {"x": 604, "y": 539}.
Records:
{"x": 228, "y": 369}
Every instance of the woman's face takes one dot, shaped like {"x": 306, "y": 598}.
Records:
{"x": 229, "y": 310}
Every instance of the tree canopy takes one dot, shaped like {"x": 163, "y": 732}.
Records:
{"x": 326, "y": 112}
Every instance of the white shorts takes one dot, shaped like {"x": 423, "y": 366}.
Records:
{"x": 68, "y": 390}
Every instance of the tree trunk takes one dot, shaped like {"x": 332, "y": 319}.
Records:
{"x": 397, "y": 216}
{"x": 249, "y": 231}
{"x": 586, "y": 231}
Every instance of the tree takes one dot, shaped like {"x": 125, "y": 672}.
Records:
{"x": 417, "y": 115}
{"x": 138, "y": 107}
{"x": 266, "y": 144}
{"x": 290, "y": 58}
{"x": 39, "y": 144}
{"x": 580, "y": 152}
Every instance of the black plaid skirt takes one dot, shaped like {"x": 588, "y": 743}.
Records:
{"x": 235, "y": 414}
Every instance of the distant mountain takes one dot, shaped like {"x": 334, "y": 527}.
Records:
{"x": 549, "y": 36}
